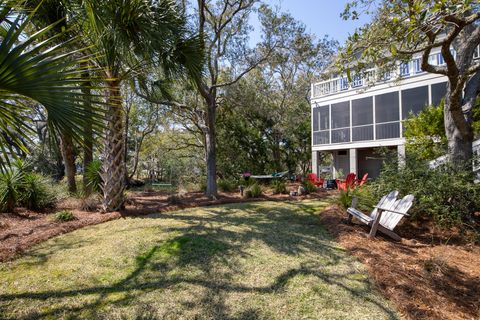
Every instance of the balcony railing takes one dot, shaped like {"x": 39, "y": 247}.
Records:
{"x": 371, "y": 76}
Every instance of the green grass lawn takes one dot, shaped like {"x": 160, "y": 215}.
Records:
{"x": 263, "y": 260}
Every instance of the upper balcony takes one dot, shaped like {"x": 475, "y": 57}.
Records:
{"x": 372, "y": 77}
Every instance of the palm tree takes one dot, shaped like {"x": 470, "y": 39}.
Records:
{"x": 35, "y": 65}
{"x": 132, "y": 35}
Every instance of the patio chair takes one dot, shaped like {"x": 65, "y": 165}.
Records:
{"x": 364, "y": 179}
{"x": 317, "y": 181}
{"x": 348, "y": 183}
{"x": 385, "y": 215}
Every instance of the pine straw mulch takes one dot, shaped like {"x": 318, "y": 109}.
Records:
{"x": 430, "y": 274}
{"x": 21, "y": 230}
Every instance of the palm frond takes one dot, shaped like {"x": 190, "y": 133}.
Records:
{"x": 41, "y": 68}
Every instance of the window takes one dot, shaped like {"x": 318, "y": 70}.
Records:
{"x": 362, "y": 111}
{"x": 439, "y": 59}
{"x": 417, "y": 65}
{"x": 386, "y": 76}
{"x": 343, "y": 84}
{"x": 404, "y": 69}
{"x": 414, "y": 100}
{"x": 387, "y": 107}
{"x": 357, "y": 81}
{"x": 340, "y": 115}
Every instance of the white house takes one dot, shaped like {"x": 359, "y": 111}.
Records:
{"x": 352, "y": 119}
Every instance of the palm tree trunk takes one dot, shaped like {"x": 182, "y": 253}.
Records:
{"x": 113, "y": 174}
{"x": 88, "y": 132}
{"x": 68, "y": 155}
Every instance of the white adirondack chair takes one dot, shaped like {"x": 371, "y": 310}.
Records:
{"x": 385, "y": 215}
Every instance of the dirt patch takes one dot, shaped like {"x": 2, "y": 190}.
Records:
{"x": 428, "y": 275}
{"x": 23, "y": 229}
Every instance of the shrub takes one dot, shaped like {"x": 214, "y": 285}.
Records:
{"x": 365, "y": 198}
{"x": 10, "y": 183}
{"x": 37, "y": 192}
{"x": 64, "y": 216}
{"x": 254, "y": 191}
{"x": 279, "y": 186}
{"x": 93, "y": 175}
{"x": 309, "y": 186}
{"x": 446, "y": 194}
{"x": 227, "y": 185}
{"x": 20, "y": 186}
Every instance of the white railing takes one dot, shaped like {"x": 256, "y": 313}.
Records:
{"x": 371, "y": 76}
{"x": 340, "y": 84}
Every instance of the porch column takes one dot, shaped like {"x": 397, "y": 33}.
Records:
{"x": 315, "y": 162}
{"x": 401, "y": 155}
{"x": 353, "y": 160}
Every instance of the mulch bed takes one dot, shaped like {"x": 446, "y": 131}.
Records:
{"x": 430, "y": 274}
{"x": 21, "y": 230}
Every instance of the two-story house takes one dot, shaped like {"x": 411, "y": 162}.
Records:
{"x": 351, "y": 119}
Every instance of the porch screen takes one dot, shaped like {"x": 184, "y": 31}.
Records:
{"x": 439, "y": 90}
{"x": 321, "y": 137}
{"x": 414, "y": 100}
{"x": 362, "y": 111}
{"x": 340, "y": 115}
{"x": 388, "y": 130}
{"x": 386, "y": 107}
{"x": 321, "y": 118}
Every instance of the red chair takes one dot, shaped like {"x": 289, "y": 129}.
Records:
{"x": 312, "y": 177}
{"x": 364, "y": 179}
{"x": 348, "y": 183}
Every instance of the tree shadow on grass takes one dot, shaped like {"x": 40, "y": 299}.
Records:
{"x": 201, "y": 244}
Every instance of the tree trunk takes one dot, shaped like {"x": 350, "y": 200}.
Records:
{"x": 68, "y": 154}
{"x": 127, "y": 124}
{"x": 458, "y": 130}
{"x": 210, "y": 151}
{"x": 113, "y": 173}
{"x": 87, "y": 134}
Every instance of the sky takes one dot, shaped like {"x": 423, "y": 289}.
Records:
{"x": 321, "y": 17}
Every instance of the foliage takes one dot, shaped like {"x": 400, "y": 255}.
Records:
{"x": 446, "y": 194}
{"x": 227, "y": 185}
{"x": 37, "y": 67}
{"x": 64, "y": 215}
{"x": 37, "y": 192}
{"x": 21, "y": 187}
{"x": 265, "y": 114}
{"x": 11, "y": 181}
{"x": 365, "y": 198}
{"x": 163, "y": 158}
{"x": 309, "y": 186}
{"x": 279, "y": 186}
{"x": 425, "y": 132}
{"x": 93, "y": 175}
{"x": 254, "y": 191}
